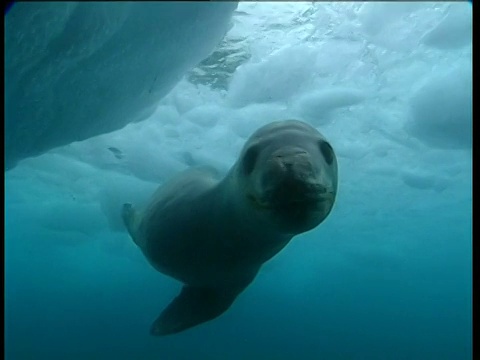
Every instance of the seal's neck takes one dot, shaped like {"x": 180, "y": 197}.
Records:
{"x": 255, "y": 234}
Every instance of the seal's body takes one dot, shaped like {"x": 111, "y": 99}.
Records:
{"x": 214, "y": 234}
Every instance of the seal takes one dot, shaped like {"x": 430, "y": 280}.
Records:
{"x": 213, "y": 234}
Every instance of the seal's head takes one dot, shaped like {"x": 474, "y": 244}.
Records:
{"x": 289, "y": 173}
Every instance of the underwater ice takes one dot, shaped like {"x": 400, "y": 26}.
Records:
{"x": 74, "y": 70}
{"x": 405, "y": 102}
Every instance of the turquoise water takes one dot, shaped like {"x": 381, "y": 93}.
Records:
{"x": 393, "y": 285}
{"x": 387, "y": 276}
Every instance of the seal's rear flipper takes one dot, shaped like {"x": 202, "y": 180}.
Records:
{"x": 193, "y": 306}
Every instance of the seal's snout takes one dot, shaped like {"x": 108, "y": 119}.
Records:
{"x": 293, "y": 163}
{"x": 293, "y": 178}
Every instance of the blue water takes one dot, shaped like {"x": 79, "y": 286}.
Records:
{"x": 80, "y": 299}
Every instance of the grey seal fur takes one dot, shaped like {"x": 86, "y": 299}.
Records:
{"x": 213, "y": 234}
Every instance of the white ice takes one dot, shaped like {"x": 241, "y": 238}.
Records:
{"x": 389, "y": 84}
{"x": 74, "y": 70}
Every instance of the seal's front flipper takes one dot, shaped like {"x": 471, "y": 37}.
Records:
{"x": 193, "y": 306}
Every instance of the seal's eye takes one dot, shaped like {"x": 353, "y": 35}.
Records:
{"x": 249, "y": 159}
{"x": 327, "y": 152}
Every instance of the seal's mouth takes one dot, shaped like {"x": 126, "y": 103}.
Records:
{"x": 294, "y": 213}
{"x": 308, "y": 201}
